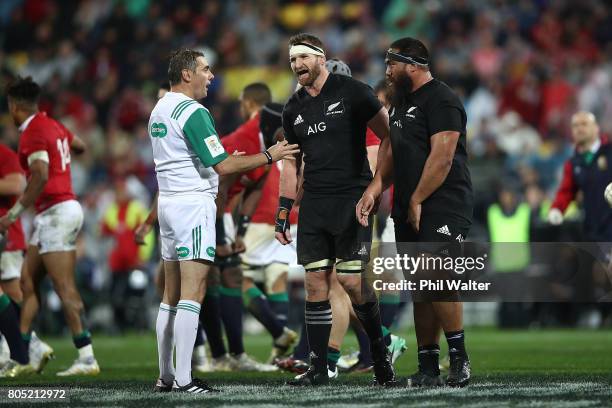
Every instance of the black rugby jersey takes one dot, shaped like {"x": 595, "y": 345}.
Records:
{"x": 330, "y": 129}
{"x": 431, "y": 109}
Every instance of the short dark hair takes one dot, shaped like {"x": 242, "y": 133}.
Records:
{"x": 257, "y": 92}
{"x": 411, "y": 47}
{"x": 165, "y": 85}
{"x": 24, "y": 91}
{"x": 181, "y": 59}
{"x": 305, "y": 38}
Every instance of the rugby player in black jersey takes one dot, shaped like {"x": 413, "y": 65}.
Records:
{"x": 433, "y": 197}
{"x": 328, "y": 118}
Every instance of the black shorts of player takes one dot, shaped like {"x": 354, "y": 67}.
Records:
{"x": 329, "y": 234}
{"x": 439, "y": 238}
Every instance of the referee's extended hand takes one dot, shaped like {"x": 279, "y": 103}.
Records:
{"x": 283, "y": 150}
{"x": 414, "y": 215}
{"x": 368, "y": 204}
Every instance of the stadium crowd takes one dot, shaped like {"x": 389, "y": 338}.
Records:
{"x": 521, "y": 67}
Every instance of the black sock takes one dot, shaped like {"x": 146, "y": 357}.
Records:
{"x": 365, "y": 355}
{"x": 260, "y": 308}
{"x": 199, "y": 340}
{"x": 82, "y": 339}
{"x": 279, "y": 302}
{"x": 369, "y": 316}
{"x": 429, "y": 359}
{"x": 210, "y": 317}
{"x": 9, "y": 326}
{"x": 318, "y": 326}
{"x": 231, "y": 315}
{"x": 300, "y": 352}
{"x": 333, "y": 355}
{"x": 389, "y": 306}
{"x": 456, "y": 343}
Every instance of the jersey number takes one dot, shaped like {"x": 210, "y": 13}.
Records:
{"x": 64, "y": 151}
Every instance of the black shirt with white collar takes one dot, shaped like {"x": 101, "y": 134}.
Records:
{"x": 431, "y": 109}
{"x": 330, "y": 129}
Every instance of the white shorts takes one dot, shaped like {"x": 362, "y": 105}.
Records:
{"x": 187, "y": 227}
{"x": 10, "y": 265}
{"x": 56, "y": 229}
{"x": 262, "y": 248}
{"x": 229, "y": 228}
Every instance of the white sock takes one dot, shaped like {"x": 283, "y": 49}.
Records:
{"x": 86, "y": 352}
{"x": 185, "y": 329}
{"x": 165, "y": 341}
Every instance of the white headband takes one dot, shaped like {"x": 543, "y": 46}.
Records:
{"x": 303, "y": 48}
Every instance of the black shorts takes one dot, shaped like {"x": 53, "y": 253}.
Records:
{"x": 438, "y": 233}
{"x": 328, "y": 231}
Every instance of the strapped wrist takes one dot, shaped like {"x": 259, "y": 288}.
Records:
{"x": 243, "y": 224}
{"x": 15, "y": 211}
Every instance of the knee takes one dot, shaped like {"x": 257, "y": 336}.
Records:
{"x": 231, "y": 277}
{"x": 316, "y": 284}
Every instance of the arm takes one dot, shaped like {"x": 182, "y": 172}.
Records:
{"x": 143, "y": 229}
{"x": 567, "y": 189}
{"x": 39, "y": 170}
{"x": 12, "y": 184}
{"x": 437, "y": 166}
{"x": 288, "y": 193}
{"x": 249, "y": 204}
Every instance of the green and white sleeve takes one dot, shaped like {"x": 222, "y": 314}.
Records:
{"x": 200, "y": 131}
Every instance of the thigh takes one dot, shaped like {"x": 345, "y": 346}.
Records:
{"x": 60, "y": 268}
{"x": 11, "y": 263}
{"x": 193, "y": 279}
{"x": 352, "y": 241}
{"x": 57, "y": 228}
{"x": 33, "y": 270}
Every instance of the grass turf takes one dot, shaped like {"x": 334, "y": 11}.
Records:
{"x": 510, "y": 368}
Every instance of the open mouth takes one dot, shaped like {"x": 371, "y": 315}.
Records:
{"x": 302, "y": 74}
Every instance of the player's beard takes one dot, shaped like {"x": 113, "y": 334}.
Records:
{"x": 401, "y": 88}
{"x": 313, "y": 74}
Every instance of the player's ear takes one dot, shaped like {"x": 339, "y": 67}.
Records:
{"x": 186, "y": 75}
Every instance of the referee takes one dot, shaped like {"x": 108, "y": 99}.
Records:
{"x": 433, "y": 198}
{"x": 328, "y": 118}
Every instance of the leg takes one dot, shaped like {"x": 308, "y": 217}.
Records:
{"x": 193, "y": 282}
{"x": 210, "y": 316}
{"x": 340, "y": 305}
{"x": 31, "y": 275}
{"x": 318, "y": 316}
{"x": 164, "y": 326}
{"x": 275, "y": 279}
{"x": 9, "y": 327}
{"x": 159, "y": 279}
{"x": 13, "y": 290}
{"x": 60, "y": 267}
{"x": 231, "y": 307}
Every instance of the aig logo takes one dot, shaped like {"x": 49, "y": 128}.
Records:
{"x": 397, "y": 123}
{"x": 319, "y": 127}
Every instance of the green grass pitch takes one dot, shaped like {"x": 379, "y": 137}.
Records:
{"x": 560, "y": 368}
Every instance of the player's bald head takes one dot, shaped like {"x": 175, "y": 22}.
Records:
{"x": 584, "y": 128}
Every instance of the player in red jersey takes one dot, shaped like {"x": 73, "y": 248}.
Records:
{"x": 44, "y": 152}
{"x": 12, "y": 245}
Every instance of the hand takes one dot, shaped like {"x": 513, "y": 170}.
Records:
{"x": 283, "y": 150}
{"x": 414, "y": 215}
{"x": 223, "y": 251}
{"x": 283, "y": 237}
{"x": 141, "y": 232}
{"x": 5, "y": 223}
{"x": 368, "y": 204}
{"x": 238, "y": 245}
{"x": 555, "y": 216}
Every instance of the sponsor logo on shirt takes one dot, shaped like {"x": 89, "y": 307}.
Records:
{"x": 158, "y": 130}
{"x": 214, "y": 146}
{"x": 409, "y": 112}
{"x": 334, "y": 108}
{"x": 460, "y": 238}
{"x": 316, "y": 128}
{"x": 397, "y": 123}
{"x": 444, "y": 230}
{"x": 298, "y": 120}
